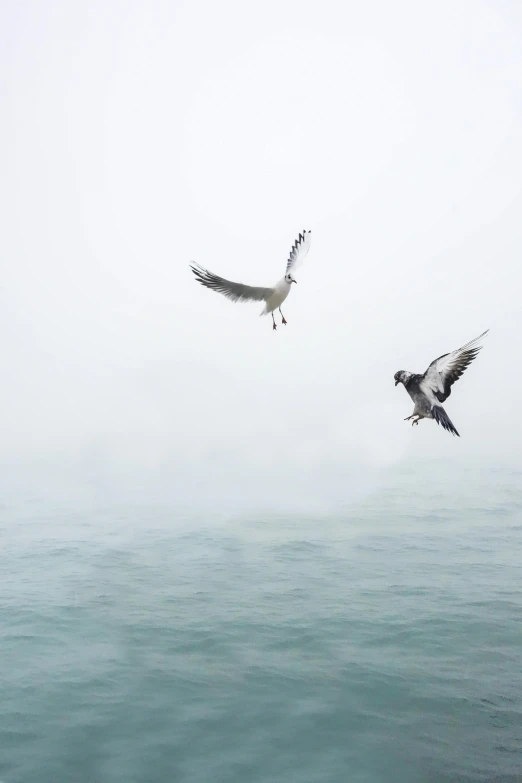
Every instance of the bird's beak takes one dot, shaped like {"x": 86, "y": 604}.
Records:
{"x": 396, "y": 382}
{"x": 294, "y": 281}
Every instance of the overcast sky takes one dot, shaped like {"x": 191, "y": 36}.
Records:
{"x": 136, "y": 137}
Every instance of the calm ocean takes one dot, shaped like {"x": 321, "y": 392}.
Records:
{"x": 381, "y": 643}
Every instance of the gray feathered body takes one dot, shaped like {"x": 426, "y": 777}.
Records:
{"x": 425, "y": 405}
{"x": 422, "y": 406}
{"x": 433, "y": 387}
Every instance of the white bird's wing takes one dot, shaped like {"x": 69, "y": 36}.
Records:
{"x": 444, "y": 371}
{"x": 237, "y": 292}
{"x": 299, "y": 250}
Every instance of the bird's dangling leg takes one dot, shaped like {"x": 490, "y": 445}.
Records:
{"x": 410, "y": 417}
{"x": 284, "y": 321}
{"x": 416, "y": 421}
{"x": 273, "y": 321}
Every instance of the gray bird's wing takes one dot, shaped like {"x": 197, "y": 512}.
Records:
{"x": 444, "y": 371}
{"x": 237, "y": 292}
{"x": 299, "y": 250}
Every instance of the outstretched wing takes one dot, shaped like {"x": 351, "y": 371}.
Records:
{"x": 444, "y": 371}
{"x": 237, "y": 292}
{"x": 299, "y": 249}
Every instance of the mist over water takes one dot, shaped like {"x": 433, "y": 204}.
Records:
{"x": 151, "y": 642}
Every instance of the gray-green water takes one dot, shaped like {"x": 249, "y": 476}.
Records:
{"x": 376, "y": 644}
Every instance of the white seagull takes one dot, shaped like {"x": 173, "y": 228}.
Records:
{"x": 429, "y": 390}
{"x": 272, "y": 297}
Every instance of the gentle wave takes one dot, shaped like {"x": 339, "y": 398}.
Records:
{"x": 265, "y": 652}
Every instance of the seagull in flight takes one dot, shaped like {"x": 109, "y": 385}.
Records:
{"x": 272, "y": 297}
{"x": 429, "y": 390}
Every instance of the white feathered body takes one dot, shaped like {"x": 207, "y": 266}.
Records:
{"x": 272, "y": 297}
{"x": 281, "y": 291}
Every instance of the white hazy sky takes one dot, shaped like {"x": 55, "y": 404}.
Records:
{"x": 137, "y": 136}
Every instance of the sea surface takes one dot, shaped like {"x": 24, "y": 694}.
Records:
{"x": 379, "y": 642}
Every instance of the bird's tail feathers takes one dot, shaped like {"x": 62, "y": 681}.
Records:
{"x": 442, "y": 418}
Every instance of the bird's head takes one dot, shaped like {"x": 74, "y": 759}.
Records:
{"x": 400, "y": 377}
{"x": 289, "y": 279}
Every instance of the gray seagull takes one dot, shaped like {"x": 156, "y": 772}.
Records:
{"x": 429, "y": 390}
{"x": 272, "y": 297}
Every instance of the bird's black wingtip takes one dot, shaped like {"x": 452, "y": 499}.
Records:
{"x": 442, "y": 418}
{"x": 199, "y": 273}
